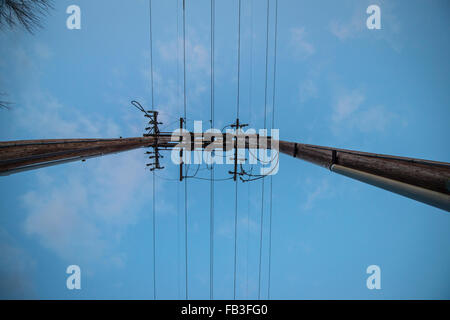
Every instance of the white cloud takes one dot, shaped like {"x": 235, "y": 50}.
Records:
{"x": 79, "y": 212}
{"x": 376, "y": 118}
{"x": 347, "y": 30}
{"x": 351, "y": 112}
{"x": 346, "y": 105}
{"x": 169, "y": 88}
{"x": 302, "y": 48}
{"x": 308, "y": 90}
{"x": 169, "y": 97}
{"x": 320, "y": 191}
{"x": 355, "y": 25}
{"x": 226, "y": 228}
{"x": 197, "y": 55}
{"x": 42, "y": 115}
{"x": 82, "y": 215}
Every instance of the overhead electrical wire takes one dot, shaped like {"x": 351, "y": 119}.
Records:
{"x": 235, "y": 238}
{"x": 273, "y": 121}
{"x": 239, "y": 60}
{"x": 193, "y": 177}
{"x": 237, "y": 128}
{"x": 262, "y": 183}
{"x": 212, "y": 179}
{"x": 267, "y": 59}
{"x": 178, "y": 185}
{"x": 153, "y": 175}
{"x": 250, "y": 118}
{"x": 185, "y": 180}
{"x": 211, "y": 208}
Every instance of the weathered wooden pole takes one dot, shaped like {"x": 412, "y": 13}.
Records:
{"x": 22, "y": 155}
{"x": 423, "y": 180}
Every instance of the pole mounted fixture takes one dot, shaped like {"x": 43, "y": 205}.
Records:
{"x": 153, "y": 131}
{"x": 181, "y": 149}
{"x": 237, "y": 127}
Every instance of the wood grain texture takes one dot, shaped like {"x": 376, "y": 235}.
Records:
{"x": 432, "y": 175}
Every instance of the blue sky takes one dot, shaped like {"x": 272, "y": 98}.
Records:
{"x": 337, "y": 84}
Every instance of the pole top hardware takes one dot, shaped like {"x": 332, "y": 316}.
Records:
{"x": 152, "y": 131}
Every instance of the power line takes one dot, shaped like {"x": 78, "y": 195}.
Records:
{"x": 154, "y": 238}
{"x": 237, "y": 128}
{"x": 260, "y": 239}
{"x": 248, "y": 234}
{"x": 267, "y": 58}
{"x": 250, "y": 119}
{"x": 178, "y": 185}
{"x": 151, "y": 52}
{"x": 153, "y": 175}
{"x": 211, "y": 227}
{"x": 235, "y": 239}
{"x": 184, "y": 58}
{"x": 273, "y": 120}
{"x": 185, "y": 233}
{"x": 178, "y": 241}
{"x": 275, "y": 63}
{"x": 185, "y": 180}
{"x": 270, "y": 236}
{"x": 239, "y": 59}
{"x": 265, "y": 127}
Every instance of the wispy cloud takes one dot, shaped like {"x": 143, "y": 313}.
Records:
{"x": 38, "y": 113}
{"x": 79, "y": 214}
{"x": 198, "y": 71}
{"x": 351, "y": 111}
{"x": 308, "y": 90}
{"x": 355, "y": 25}
{"x": 299, "y": 42}
{"x": 375, "y": 118}
{"x": 226, "y": 228}
{"x": 348, "y": 29}
{"x": 318, "y": 191}
{"x": 197, "y": 54}
{"x": 346, "y": 105}
{"x": 83, "y": 214}
{"x": 42, "y": 115}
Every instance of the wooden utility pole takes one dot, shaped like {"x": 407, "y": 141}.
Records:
{"x": 423, "y": 180}
{"x": 22, "y": 155}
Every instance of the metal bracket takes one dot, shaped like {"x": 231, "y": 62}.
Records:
{"x": 333, "y": 158}
{"x": 153, "y": 131}
{"x": 237, "y": 126}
